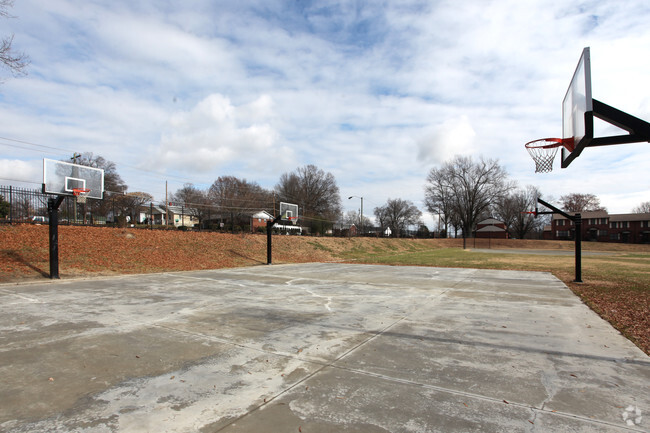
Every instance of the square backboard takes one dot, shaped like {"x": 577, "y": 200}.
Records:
{"x": 289, "y": 212}
{"x": 62, "y": 177}
{"x": 578, "y": 111}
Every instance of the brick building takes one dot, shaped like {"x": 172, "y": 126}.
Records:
{"x": 599, "y": 226}
{"x": 492, "y": 229}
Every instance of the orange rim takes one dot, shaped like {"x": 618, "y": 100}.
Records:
{"x": 549, "y": 143}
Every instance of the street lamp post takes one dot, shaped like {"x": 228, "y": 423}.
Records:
{"x": 361, "y": 219}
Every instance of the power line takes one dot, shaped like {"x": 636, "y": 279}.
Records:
{"x": 31, "y": 144}
{"x": 161, "y": 174}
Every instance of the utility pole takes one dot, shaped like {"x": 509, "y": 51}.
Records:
{"x": 361, "y": 218}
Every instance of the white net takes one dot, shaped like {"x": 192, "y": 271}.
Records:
{"x": 81, "y": 194}
{"x": 543, "y": 153}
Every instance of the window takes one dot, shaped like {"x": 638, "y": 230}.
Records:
{"x": 613, "y": 236}
{"x": 562, "y": 234}
{"x": 612, "y": 225}
{"x": 560, "y": 222}
{"x": 603, "y": 221}
{"x": 625, "y": 224}
{"x": 602, "y": 232}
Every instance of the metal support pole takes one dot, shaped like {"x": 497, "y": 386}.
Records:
{"x": 269, "y": 231}
{"x": 11, "y": 205}
{"x": 361, "y": 216}
{"x": 269, "y": 249}
{"x": 578, "y": 247}
{"x": 577, "y": 223}
{"x": 53, "y": 212}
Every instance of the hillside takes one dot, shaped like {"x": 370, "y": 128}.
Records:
{"x": 95, "y": 251}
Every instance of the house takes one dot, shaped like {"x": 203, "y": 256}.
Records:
{"x": 259, "y": 220}
{"x": 600, "y": 226}
{"x": 341, "y": 229}
{"x": 491, "y": 229}
{"x": 177, "y": 215}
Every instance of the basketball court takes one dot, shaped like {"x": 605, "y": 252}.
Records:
{"x": 315, "y": 348}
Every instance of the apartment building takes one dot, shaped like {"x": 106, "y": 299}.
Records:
{"x": 600, "y": 226}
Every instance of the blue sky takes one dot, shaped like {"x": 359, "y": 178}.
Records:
{"x": 377, "y": 93}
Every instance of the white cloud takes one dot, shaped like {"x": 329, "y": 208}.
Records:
{"x": 23, "y": 173}
{"x": 215, "y": 133}
{"x": 453, "y": 137}
{"x": 376, "y": 94}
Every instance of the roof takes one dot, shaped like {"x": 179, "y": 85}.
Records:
{"x": 630, "y": 217}
{"x": 490, "y": 221}
{"x": 262, "y": 215}
{"x": 585, "y": 214}
{"x": 612, "y": 217}
{"x": 491, "y": 229}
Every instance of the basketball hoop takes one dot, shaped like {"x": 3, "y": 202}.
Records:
{"x": 81, "y": 194}
{"x": 293, "y": 220}
{"x": 543, "y": 152}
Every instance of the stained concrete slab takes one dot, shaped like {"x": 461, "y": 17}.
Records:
{"x": 315, "y": 348}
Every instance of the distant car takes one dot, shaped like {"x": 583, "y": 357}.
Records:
{"x": 39, "y": 219}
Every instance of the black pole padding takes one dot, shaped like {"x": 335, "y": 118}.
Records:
{"x": 269, "y": 231}
{"x": 578, "y": 235}
{"x": 53, "y": 212}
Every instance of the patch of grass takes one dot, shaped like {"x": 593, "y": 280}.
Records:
{"x": 320, "y": 247}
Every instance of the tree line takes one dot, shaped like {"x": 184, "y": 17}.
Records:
{"x": 461, "y": 193}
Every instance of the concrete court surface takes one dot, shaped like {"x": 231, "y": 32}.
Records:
{"x": 315, "y": 348}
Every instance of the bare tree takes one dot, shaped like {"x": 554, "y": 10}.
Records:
{"x": 238, "y": 199}
{"x": 113, "y": 182}
{"x": 353, "y": 217}
{"x": 437, "y": 197}
{"x": 576, "y": 202}
{"x": 398, "y": 214}
{"x": 4, "y": 207}
{"x": 465, "y": 189}
{"x": 510, "y": 209}
{"x": 642, "y": 208}
{"x": 130, "y": 204}
{"x": 114, "y": 186}
{"x": 16, "y": 62}
{"x": 316, "y": 194}
{"x": 194, "y": 201}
